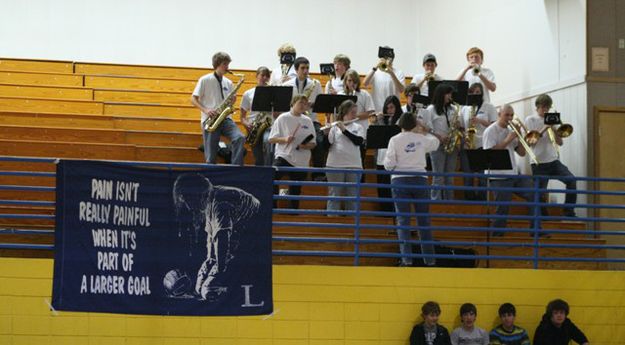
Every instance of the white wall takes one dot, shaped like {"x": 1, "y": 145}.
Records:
{"x": 188, "y": 32}
{"x": 533, "y": 46}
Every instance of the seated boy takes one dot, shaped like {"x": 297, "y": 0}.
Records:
{"x": 507, "y": 333}
{"x": 429, "y": 332}
{"x": 468, "y": 333}
{"x": 556, "y": 328}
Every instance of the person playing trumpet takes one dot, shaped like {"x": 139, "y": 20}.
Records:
{"x": 474, "y": 72}
{"x": 429, "y": 73}
{"x": 548, "y": 155}
{"x": 385, "y": 82}
{"x": 345, "y": 140}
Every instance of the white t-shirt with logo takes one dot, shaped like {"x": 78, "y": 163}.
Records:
{"x": 300, "y": 88}
{"x": 487, "y": 112}
{"x": 210, "y": 93}
{"x": 544, "y": 149}
{"x": 364, "y": 103}
{"x": 246, "y": 104}
{"x": 406, "y": 152}
{"x": 383, "y": 86}
{"x": 417, "y": 78}
{"x": 472, "y": 79}
{"x": 343, "y": 153}
{"x": 493, "y": 135}
{"x": 285, "y": 125}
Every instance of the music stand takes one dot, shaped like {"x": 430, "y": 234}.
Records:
{"x": 272, "y": 98}
{"x": 461, "y": 89}
{"x": 475, "y": 99}
{"x": 421, "y": 99}
{"x": 379, "y": 135}
{"x": 486, "y": 160}
{"x": 329, "y": 104}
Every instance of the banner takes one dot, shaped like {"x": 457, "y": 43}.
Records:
{"x": 168, "y": 242}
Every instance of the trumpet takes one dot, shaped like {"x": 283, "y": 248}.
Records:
{"x": 514, "y": 126}
{"x": 384, "y": 64}
{"x": 477, "y": 69}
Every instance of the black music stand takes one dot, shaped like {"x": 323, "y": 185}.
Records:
{"x": 379, "y": 135}
{"x": 424, "y": 100}
{"x": 476, "y": 100}
{"x": 272, "y": 98}
{"x": 461, "y": 89}
{"x": 329, "y": 104}
{"x": 480, "y": 160}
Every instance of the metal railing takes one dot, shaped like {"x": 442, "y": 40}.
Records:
{"x": 367, "y": 234}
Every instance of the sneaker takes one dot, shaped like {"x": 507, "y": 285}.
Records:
{"x": 284, "y": 191}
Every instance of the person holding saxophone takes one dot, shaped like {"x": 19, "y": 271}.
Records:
{"x": 475, "y": 119}
{"x": 213, "y": 92}
{"x": 262, "y": 151}
{"x": 444, "y": 121}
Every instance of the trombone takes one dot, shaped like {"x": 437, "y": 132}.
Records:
{"x": 514, "y": 126}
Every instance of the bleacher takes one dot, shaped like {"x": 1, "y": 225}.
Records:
{"x": 81, "y": 110}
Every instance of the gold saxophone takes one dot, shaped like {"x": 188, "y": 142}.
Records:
{"x": 472, "y": 130}
{"x": 455, "y": 135}
{"x": 259, "y": 126}
{"x": 308, "y": 92}
{"x": 224, "y": 109}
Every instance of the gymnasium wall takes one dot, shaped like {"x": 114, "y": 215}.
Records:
{"x": 532, "y": 45}
{"x": 323, "y": 305}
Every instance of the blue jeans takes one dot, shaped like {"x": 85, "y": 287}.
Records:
{"x": 470, "y": 181}
{"x": 506, "y": 196}
{"x": 263, "y": 151}
{"x": 334, "y": 191}
{"x": 557, "y": 169}
{"x": 403, "y": 220}
{"x": 211, "y": 142}
{"x": 443, "y": 162}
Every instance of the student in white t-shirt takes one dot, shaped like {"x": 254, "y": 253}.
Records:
{"x": 384, "y": 84}
{"x": 304, "y": 85}
{"x": 209, "y": 93}
{"x": 283, "y": 72}
{"x": 364, "y": 104}
{"x": 548, "y": 155}
{"x": 475, "y": 119}
{"x": 406, "y": 153}
{"x": 474, "y": 72}
{"x": 341, "y": 64}
{"x": 294, "y": 136}
{"x": 345, "y": 141}
{"x": 428, "y": 74}
{"x": 498, "y": 137}
{"x": 263, "y": 152}
{"x": 442, "y": 117}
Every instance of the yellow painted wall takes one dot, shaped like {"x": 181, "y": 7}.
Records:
{"x": 322, "y": 305}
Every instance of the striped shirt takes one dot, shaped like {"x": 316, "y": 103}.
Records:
{"x": 518, "y": 336}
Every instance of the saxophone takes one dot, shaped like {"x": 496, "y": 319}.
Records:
{"x": 472, "y": 130}
{"x": 224, "y": 109}
{"x": 308, "y": 92}
{"x": 455, "y": 135}
{"x": 259, "y": 126}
